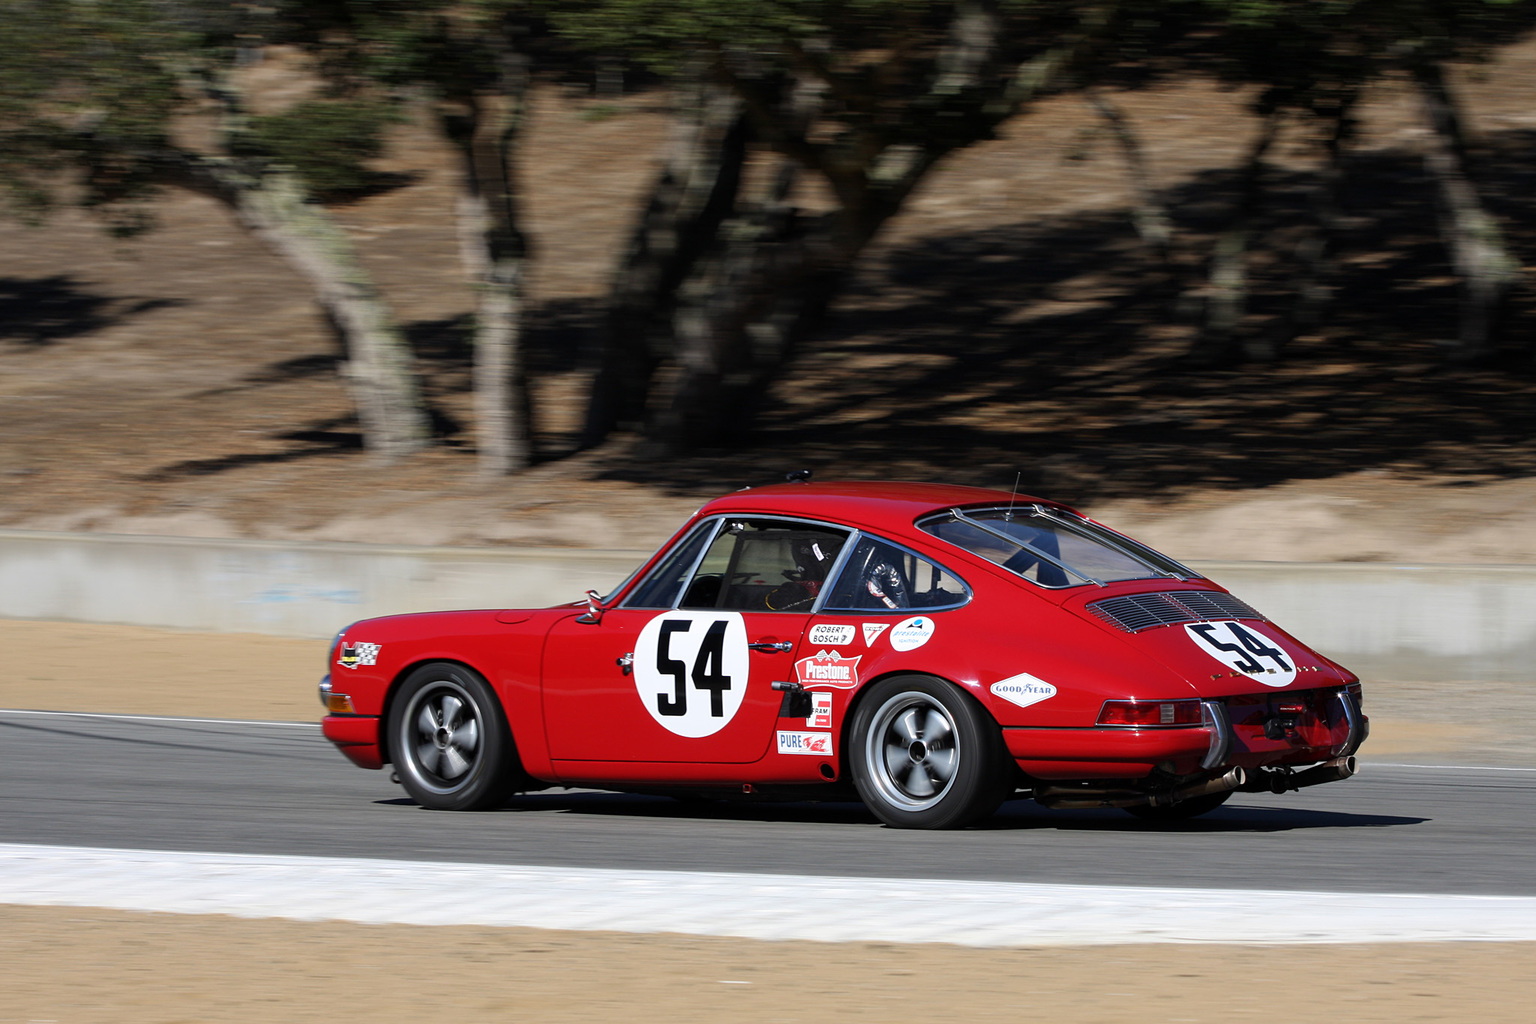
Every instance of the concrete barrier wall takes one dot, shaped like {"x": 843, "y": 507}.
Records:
{"x": 1421, "y": 622}
{"x": 1432, "y": 622}
{"x": 286, "y": 589}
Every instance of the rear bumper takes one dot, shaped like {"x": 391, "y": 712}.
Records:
{"x": 356, "y": 736}
{"x": 1223, "y": 741}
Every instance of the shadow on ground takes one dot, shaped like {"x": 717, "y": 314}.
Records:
{"x": 1016, "y": 815}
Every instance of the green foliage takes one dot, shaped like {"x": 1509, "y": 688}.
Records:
{"x": 328, "y": 142}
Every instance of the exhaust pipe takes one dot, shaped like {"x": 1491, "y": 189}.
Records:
{"x": 1077, "y": 798}
{"x": 1337, "y": 770}
{"x": 1284, "y": 780}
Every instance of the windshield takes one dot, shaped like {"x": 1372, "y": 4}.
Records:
{"x": 1051, "y": 547}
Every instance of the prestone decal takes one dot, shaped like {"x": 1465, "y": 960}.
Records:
{"x": 821, "y": 710}
{"x": 910, "y": 634}
{"x": 1244, "y": 649}
{"x": 1023, "y": 689}
{"x": 806, "y": 743}
{"x": 691, "y": 670}
{"x": 872, "y": 631}
{"x": 353, "y": 655}
{"x": 828, "y": 668}
{"x": 829, "y": 635}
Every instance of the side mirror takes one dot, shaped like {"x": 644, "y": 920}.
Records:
{"x": 594, "y": 612}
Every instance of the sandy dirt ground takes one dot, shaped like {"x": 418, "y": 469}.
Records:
{"x": 72, "y": 965}
{"x": 68, "y": 666}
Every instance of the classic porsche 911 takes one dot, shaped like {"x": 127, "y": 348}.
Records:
{"x": 942, "y": 648}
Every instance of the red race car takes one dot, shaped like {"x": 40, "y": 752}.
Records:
{"x": 940, "y": 647}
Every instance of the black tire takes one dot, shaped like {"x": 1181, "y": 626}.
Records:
{"x": 450, "y": 742}
{"x": 924, "y": 755}
{"x": 1183, "y": 810}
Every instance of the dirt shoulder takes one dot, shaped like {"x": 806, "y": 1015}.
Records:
{"x": 67, "y": 666}
{"x": 87, "y": 966}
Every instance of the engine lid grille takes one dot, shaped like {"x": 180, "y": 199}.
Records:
{"x": 1136, "y": 612}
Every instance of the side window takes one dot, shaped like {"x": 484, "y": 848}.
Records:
{"x": 661, "y": 587}
{"x": 881, "y": 577}
{"x": 765, "y": 565}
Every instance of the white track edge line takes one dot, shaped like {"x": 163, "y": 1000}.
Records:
{"x": 753, "y": 906}
{"x": 1448, "y": 767}
{"x": 160, "y": 718}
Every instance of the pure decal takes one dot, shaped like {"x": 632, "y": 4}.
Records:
{"x": 353, "y": 655}
{"x": 828, "y": 668}
{"x": 910, "y": 634}
{"x": 872, "y": 631}
{"x": 1244, "y": 649}
{"x": 690, "y": 670}
{"x": 817, "y": 743}
{"x": 1023, "y": 689}
{"x": 830, "y": 635}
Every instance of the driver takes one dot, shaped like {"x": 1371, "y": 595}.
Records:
{"x": 813, "y": 559}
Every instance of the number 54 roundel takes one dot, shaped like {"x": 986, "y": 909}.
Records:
{"x": 691, "y": 670}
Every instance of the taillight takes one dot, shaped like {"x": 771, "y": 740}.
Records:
{"x": 1150, "y": 712}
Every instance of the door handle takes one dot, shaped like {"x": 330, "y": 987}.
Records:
{"x": 769, "y": 645}
{"x": 626, "y": 662}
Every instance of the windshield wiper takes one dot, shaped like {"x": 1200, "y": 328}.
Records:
{"x": 1016, "y": 542}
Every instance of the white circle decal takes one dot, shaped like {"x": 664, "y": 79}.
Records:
{"x": 910, "y": 634}
{"x": 691, "y": 670}
{"x": 1245, "y": 649}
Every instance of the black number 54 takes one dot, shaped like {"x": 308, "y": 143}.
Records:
{"x": 1249, "y": 648}
{"x": 708, "y": 668}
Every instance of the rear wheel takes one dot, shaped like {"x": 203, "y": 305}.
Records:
{"x": 450, "y": 741}
{"x": 1183, "y": 810}
{"x": 924, "y": 755}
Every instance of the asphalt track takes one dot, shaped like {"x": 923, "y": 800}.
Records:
{"x": 275, "y": 788}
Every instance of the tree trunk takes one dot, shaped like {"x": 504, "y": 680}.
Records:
{"x": 734, "y": 321}
{"x": 695, "y": 191}
{"x": 1227, "y": 282}
{"x": 494, "y": 250}
{"x": 273, "y": 205}
{"x": 1147, "y": 212}
{"x": 1313, "y": 285}
{"x": 1478, "y": 252}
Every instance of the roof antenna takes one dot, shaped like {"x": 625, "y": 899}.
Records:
{"x": 1009, "y": 517}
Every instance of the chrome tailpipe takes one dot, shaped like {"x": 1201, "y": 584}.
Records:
{"x": 1284, "y": 780}
{"x": 1079, "y": 798}
{"x": 1337, "y": 770}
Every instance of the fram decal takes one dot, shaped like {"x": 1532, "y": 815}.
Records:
{"x": 910, "y": 634}
{"x": 353, "y": 655}
{"x": 872, "y": 631}
{"x": 1023, "y": 689}
{"x": 821, "y": 710}
{"x": 828, "y": 668}
{"x": 830, "y": 635}
{"x": 806, "y": 743}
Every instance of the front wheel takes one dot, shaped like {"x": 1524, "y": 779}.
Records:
{"x": 450, "y": 740}
{"x": 924, "y": 755}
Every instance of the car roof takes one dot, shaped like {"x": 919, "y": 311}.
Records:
{"x": 889, "y": 507}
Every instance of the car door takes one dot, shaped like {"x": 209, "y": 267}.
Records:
{"x": 683, "y": 669}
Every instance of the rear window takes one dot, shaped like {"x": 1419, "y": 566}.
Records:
{"x": 1051, "y": 547}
